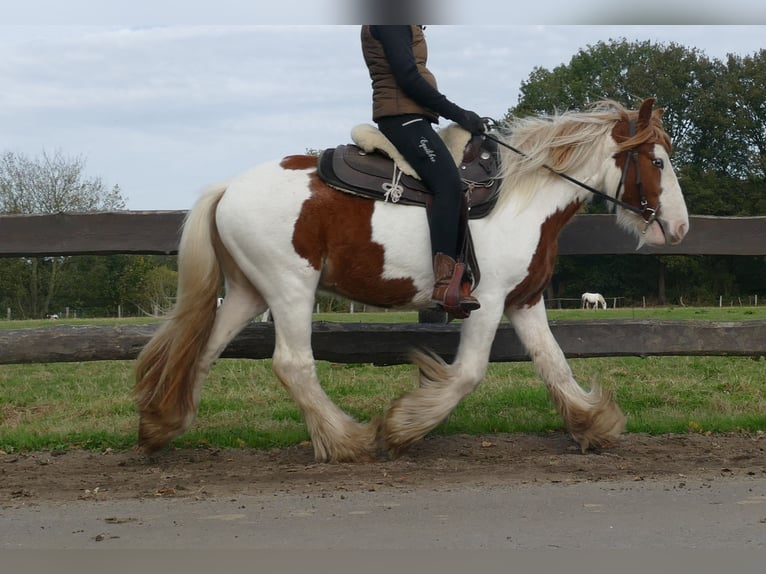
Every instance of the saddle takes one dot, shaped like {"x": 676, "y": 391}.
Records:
{"x": 371, "y": 167}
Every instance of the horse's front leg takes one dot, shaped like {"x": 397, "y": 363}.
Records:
{"x": 593, "y": 418}
{"x": 441, "y": 385}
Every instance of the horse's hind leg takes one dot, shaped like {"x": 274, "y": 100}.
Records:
{"x": 336, "y": 437}
{"x": 241, "y": 304}
{"x": 593, "y": 418}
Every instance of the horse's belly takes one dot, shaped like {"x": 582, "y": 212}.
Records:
{"x": 282, "y": 223}
{"x": 380, "y": 255}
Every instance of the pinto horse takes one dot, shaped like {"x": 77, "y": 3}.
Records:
{"x": 277, "y": 233}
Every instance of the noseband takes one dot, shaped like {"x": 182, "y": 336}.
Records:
{"x": 648, "y": 214}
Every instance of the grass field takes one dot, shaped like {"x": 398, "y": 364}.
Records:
{"x": 734, "y": 313}
{"x": 88, "y": 405}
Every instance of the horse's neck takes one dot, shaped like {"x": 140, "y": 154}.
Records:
{"x": 553, "y": 197}
{"x": 540, "y": 194}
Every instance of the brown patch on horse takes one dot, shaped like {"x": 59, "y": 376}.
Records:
{"x": 334, "y": 234}
{"x": 540, "y": 269}
{"x": 299, "y": 162}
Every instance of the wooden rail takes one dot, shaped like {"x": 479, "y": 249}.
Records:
{"x": 158, "y": 232}
{"x": 389, "y": 344}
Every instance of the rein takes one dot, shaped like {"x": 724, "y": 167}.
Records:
{"x": 647, "y": 213}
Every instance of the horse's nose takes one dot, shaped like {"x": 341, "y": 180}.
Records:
{"x": 679, "y": 232}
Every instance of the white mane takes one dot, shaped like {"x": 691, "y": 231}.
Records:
{"x": 561, "y": 141}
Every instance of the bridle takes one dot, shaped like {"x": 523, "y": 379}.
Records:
{"x": 648, "y": 214}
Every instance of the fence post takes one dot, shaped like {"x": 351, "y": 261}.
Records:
{"x": 9, "y": 313}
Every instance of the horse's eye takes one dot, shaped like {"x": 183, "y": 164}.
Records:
{"x": 658, "y": 163}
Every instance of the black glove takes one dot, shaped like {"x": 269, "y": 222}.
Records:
{"x": 471, "y": 122}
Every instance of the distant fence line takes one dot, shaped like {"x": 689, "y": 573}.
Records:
{"x": 159, "y": 233}
{"x": 720, "y": 301}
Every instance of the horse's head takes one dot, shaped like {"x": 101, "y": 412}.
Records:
{"x": 644, "y": 177}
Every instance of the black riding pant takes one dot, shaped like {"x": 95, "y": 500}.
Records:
{"x": 426, "y": 152}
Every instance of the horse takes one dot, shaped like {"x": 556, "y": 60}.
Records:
{"x": 593, "y": 300}
{"x": 277, "y": 233}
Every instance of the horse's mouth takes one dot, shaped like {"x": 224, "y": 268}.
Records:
{"x": 653, "y": 234}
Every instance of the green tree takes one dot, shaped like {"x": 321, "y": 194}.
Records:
{"x": 680, "y": 78}
{"x": 746, "y": 113}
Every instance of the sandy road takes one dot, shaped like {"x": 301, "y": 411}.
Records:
{"x": 727, "y": 513}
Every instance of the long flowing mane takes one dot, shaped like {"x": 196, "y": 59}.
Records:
{"x": 563, "y": 142}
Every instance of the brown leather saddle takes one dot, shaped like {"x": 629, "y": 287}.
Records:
{"x": 373, "y": 175}
{"x": 351, "y": 169}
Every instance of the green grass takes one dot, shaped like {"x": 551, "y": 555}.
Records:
{"x": 667, "y": 313}
{"x": 664, "y": 313}
{"x": 32, "y": 323}
{"x": 88, "y": 405}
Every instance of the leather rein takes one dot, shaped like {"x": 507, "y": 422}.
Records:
{"x": 648, "y": 214}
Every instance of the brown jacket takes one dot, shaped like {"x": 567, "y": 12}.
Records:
{"x": 388, "y": 99}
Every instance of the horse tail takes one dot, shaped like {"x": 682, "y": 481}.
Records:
{"x": 167, "y": 365}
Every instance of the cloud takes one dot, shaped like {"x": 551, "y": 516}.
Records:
{"x": 165, "y": 110}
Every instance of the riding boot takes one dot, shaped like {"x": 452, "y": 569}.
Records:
{"x": 450, "y": 291}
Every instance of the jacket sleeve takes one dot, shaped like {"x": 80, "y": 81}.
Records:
{"x": 396, "y": 42}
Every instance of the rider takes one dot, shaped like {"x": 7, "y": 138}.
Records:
{"x": 405, "y": 102}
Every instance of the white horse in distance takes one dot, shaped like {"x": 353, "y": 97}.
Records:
{"x": 593, "y": 300}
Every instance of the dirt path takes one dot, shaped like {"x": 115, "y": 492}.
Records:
{"x": 436, "y": 463}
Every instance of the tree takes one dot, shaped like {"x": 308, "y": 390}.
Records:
{"x": 52, "y": 184}
{"x": 48, "y": 184}
{"x": 680, "y": 78}
{"x": 746, "y": 109}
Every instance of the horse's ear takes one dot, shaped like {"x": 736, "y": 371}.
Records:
{"x": 645, "y": 112}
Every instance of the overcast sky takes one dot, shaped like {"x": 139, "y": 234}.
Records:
{"x": 165, "y": 109}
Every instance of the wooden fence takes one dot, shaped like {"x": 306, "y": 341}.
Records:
{"x": 158, "y": 233}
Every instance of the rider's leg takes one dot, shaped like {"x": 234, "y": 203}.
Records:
{"x": 422, "y": 147}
